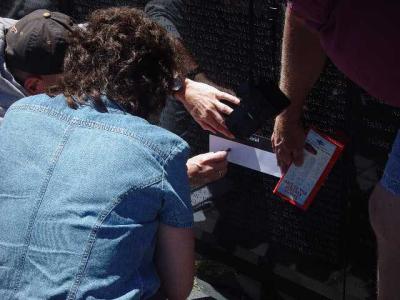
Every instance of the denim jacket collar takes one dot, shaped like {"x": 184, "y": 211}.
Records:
{"x": 110, "y": 106}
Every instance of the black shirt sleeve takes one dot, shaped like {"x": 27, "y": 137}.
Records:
{"x": 167, "y": 13}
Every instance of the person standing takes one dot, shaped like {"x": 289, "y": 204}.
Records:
{"x": 361, "y": 39}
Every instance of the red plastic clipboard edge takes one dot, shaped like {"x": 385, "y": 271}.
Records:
{"x": 322, "y": 178}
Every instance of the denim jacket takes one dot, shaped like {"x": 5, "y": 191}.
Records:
{"x": 82, "y": 193}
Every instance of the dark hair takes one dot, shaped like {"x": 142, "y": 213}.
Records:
{"x": 123, "y": 55}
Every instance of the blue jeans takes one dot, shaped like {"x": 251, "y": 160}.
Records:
{"x": 391, "y": 176}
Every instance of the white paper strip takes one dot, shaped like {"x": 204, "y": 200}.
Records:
{"x": 199, "y": 216}
{"x": 246, "y": 156}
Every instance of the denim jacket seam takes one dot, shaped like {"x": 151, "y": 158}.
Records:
{"x": 176, "y": 149}
{"x": 38, "y": 108}
{"x": 42, "y": 192}
{"x": 167, "y": 159}
{"x": 93, "y": 234}
{"x": 92, "y": 124}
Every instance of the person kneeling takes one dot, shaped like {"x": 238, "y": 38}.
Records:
{"x": 95, "y": 201}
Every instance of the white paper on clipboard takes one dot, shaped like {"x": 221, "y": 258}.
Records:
{"x": 247, "y": 156}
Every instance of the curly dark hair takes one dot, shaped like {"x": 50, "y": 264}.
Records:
{"x": 123, "y": 55}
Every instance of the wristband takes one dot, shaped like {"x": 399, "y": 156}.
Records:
{"x": 192, "y": 74}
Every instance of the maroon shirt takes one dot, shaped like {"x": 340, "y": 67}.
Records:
{"x": 362, "y": 38}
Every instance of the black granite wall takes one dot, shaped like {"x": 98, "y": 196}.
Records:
{"x": 229, "y": 47}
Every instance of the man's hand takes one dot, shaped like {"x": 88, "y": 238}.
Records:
{"x": 207, "y": 167}
{"x": 288, "y": 141}
{"x": 203, "y": 102}
{"x": 302, "y": 61}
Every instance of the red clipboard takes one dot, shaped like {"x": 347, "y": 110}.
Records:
{"x": 292, "y": 191}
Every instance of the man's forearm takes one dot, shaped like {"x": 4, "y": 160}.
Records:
{"x": 201, "y": 98}
{"x": 303, "y": 60}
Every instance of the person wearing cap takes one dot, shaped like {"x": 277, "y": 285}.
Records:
{"x": 202, "y": 98}
{"x": 31, "y": 54}
{"x": 31, "y": 63}
{"x": 94, "y": 200}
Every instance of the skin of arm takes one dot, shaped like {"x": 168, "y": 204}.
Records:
{"x": 203, "y": 102}
{"x": 302, "y": 62}
{"x": 201, "y": 97}
{"x": 175, "y": 261}
{"x": 207, "y": 167}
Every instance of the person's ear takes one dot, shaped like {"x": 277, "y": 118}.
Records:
{"x": 34, "y": 85}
